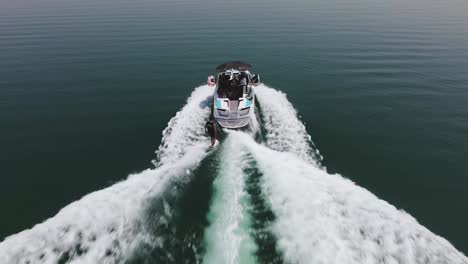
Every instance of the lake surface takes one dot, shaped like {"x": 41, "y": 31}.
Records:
{"x": 87, "y": 87}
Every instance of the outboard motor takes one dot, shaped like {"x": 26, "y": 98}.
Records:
{"x": 255, "y": 79}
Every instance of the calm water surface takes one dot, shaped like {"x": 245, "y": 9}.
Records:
{"x": 86, "y": 87}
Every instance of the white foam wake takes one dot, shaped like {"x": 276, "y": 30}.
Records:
{"x": 102, "y": 227}
{"x": 227, "y": 238}
{"x": 105, "y": 226}
{"x": 284, "y": 131}
{"x": 323, "y": 218}
{"x": 186, "y": 128}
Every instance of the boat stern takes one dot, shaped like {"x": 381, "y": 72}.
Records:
{"x": 233, "y": 113}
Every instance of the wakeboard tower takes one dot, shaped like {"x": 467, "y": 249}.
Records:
{"x": 234, "y": 98}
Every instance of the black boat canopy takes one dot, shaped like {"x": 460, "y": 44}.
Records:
{"x": 236, "y": 65}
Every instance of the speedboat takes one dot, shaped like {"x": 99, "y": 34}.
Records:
{"x": 234, "y": 98}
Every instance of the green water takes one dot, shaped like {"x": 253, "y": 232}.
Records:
{"x": 86, "y": 87}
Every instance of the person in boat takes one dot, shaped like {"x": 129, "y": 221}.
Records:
{"x": 235, "y": 89}
{"x": 232, "y": 88}
{"x": 211, "y": 81}
{"x": 223, "y": 85}
{"x": 210, "y": 129}
{"x": 243, "y": 83}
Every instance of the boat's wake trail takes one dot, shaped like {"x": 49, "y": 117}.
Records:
{"x": 107, "y": 225}
{"x": 323, "y": 218}
{"x": 272, "y": 202}
{"x": 283, "y": 129}
{"x": 227, "y": 238}
{"x": 186, "y": 129}
{"x": 279, "y": 197}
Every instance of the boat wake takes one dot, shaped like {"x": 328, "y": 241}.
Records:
{"x": 186, "y": 129}
{"x": 283, "y": 130}
{"x": 107, "y": 226}
{"x": 324, "y": 218}
{"x": 227, "y": 238}
{"x": 271, "y": 202}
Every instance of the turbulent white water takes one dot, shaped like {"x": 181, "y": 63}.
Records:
{"x": 187, "y": 127}
{"x": 227, "y": 238}
{"x": 284, "y": 131}
{"x": 323, "y": 218}
{"x": 105, "y": 226}
{"x": 319, "y": 217}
